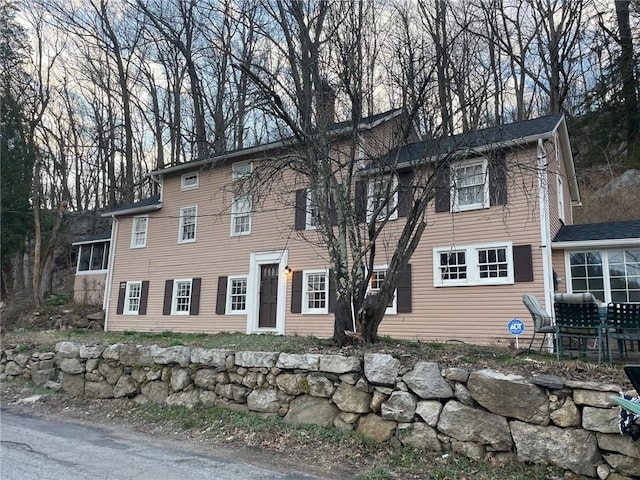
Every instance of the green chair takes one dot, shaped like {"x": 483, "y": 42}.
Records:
{"x": 577, "y": 318}
{"x": 623, "y": 324}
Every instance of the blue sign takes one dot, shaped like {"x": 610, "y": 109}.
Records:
{"x": 515, "y": 326}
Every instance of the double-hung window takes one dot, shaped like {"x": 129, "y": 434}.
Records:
{"x": 469, "y": 185}
{"x": 242, "y": 205}
{"x": 311, "y": 218}
{"x": 315, "y": 291}
{"x": 481, "y": 264}
{"x": 188, "y": 220}
{"x": 236, "y": 295}
{"x": 378, "y": 276}
{"x": 132, "y": 298}
{"x": 181, "y": 300}
{"x": 382, "y": 198}
{"x": 139, "y": 232}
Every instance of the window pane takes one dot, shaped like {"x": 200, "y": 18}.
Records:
{"x": 133, "y": 298}
{"x": 97, "y": 256}
{"x": 491, "y": 267}
{"x": 316, "y": 291}
{"x": 188, "y": 222}
{"x": 183, "y": 296}
{"x": 85, "y": 257}
{"x": 238, "y": 294}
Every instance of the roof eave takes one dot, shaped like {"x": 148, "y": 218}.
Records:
{"x": 608, "y": 243}
{"x": 130, "y": 211}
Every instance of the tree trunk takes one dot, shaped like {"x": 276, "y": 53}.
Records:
{"x": 37, "y": 301}
{"x": 343, "y": 323}
{"x": 629, "y": 83}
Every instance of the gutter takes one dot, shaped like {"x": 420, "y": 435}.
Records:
{"x": 112, "y": 255}
{"x": 129, "y": 211}
{"x": 591, "y": 244}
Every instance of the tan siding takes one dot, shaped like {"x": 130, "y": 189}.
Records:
{"x": 477, "y": 314}
{"x": 89, "y": 288}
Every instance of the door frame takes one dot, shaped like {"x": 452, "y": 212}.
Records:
{"x": 257, "y": 259}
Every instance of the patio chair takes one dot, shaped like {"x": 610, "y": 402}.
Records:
{"x": 623, "y": 324}
{"x": 578, "y": 318}
{"x": 542, "y": 321}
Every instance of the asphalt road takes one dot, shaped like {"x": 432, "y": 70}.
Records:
{"x": 38, "y": 449}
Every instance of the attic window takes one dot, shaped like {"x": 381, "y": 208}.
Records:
{"x": 189, "y": 181}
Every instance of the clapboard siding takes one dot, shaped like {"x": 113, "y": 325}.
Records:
{"x": 477, "y": 314}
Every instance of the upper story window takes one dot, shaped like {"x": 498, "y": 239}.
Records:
{"x": 375, "y": 284}
{"x": 139, "y": 232}
{"x": 481, "y": 264}
{"x": 315, "y": 292}
{"x": 469, "y": 185}
{"x": 93, "y": 257}
{"x": 382, "y": 197}
{"x": 560, "y": 194}
{"x": 241, "y": 215}
{"x": 189, "y": 181}
{"x": 241, "y": 169}
{"x": 188, "y": 219}
{"x": 311, "y": 217}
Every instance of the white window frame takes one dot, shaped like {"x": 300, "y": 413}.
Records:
{"x": 473, "y": 265}
{"x": 241, "y": 213}
{"x": 305, "y": 292}
{"x": 392, "y": 205}
{"x": 455, "y": 196}
{"x": 106, "y": 249}
{"x": 182, "y": 224}
{"x": 237, "y": 170}
{"x": 393, "y": 308}
{"x": 560, "y": 196}
{"x": 135, "y": 232}
{"x": 229, "y": 302}
{"x": 311, "y": 207}
{"x": 127, "y": 297}
{"x": 174, "y": 296}
{"x": 187, "y": 184}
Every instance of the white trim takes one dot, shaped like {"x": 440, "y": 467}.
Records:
{"x": 106, "y": 300}
{"x": 133, "y": 231}
{"x": 560, "y": 197}
{"x": 596, "y": 244}
{"x": 471, "y": 262}
{"x": 253, "y": 290}
{"x": 545, "y": 226}
{"x": 185, "y": 176}
{"x": 125, "y": 309}
{"x": 89, "y": 271}
{"x": 305, "y": 285}
{"x": 174, "y": 297}
{"x": 227, "y": 308}
{"x": 181, "y": 225}
{"x": 454, "y": 203}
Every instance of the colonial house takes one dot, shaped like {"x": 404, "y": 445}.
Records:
{"x": 200, "y": 258}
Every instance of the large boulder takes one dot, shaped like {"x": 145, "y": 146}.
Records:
{"x": 381, "y": 368}
{"x": 263, "y": 400}
{"x": 349, "y": 399}
{"x": 472, "y": 425}
{"x": 400, "y": 406}
{"x": 311, "y": 410}
{"x": 419, "y": 435}
{"x": 426, "y": 381}
{"x": 376, "y": 428}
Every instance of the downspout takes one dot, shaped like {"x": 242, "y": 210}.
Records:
{"x": 112, "y": 255}
{"x": 545, "y": 236}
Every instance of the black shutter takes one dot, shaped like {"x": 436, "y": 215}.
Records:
{"x": 498, "y": 179}
{"x": 122, "y": 290}
{"x": 301, "y": 209}
{"x": 168, "y": 297}
{"x": 443, "y": 191}
{"x": 334, "y": 213}
{"x": 296, "y": 292}
{"x": 361, "y": 201}
{"x": 405, "y": 192}
{"x": 195, "y": 296}
{"x": 403, "y": 302}
{"x": 144, "y": 297}
{"x": 221, "y": 295}
{"x": 522, "y": 263}
{"x": 331, "y": 307}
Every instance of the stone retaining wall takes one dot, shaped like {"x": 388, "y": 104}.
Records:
{"x": 482, "y": 414}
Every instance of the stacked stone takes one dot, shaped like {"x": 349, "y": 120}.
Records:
{"x": 481, "y": 414}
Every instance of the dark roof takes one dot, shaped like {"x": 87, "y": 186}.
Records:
{"x": 218, "y": 158}
{"x": 511, "y": 132}
{"x": 141, "y": 204}
{"x": 98, "y": 237}
{"x": 599, "y": 231}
